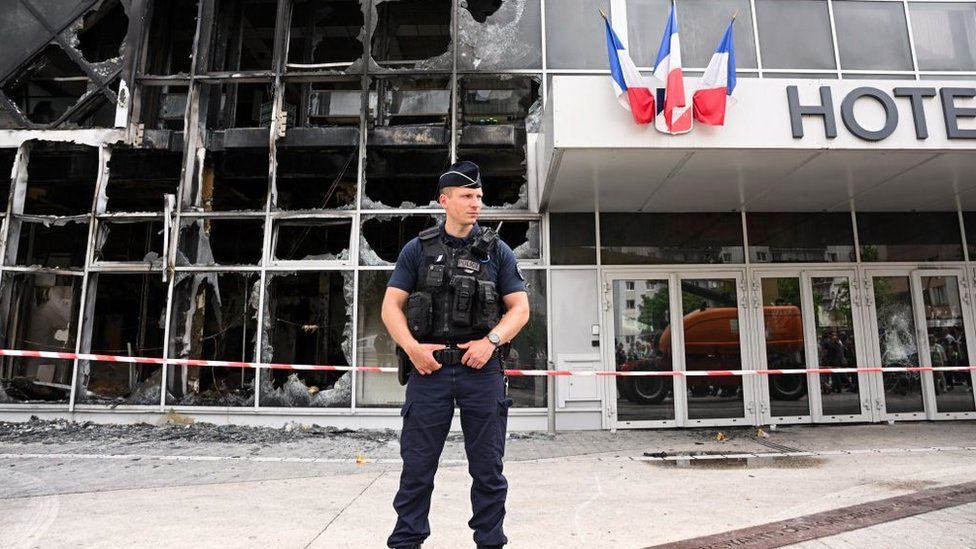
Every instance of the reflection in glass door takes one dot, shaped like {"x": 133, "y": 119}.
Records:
{"x": 946, "y": 341}
{"x": 783, "y": 340}
{"x": 642, "y": 338}
{"x": 836, "y": 332}
{"x": 713, "y": 341}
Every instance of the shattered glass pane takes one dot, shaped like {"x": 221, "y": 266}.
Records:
{"x": 500, "y": 35}
{"x": 130, "y": 241}
{"x": 325, "y": 31}
{"x": 163, "y": 107}
{"x": 40, "y": 312}
{"x": 521, "y": 236}
{"x": 103, "y": 31}
{"x": 138, "y": 179}
{"x": 7, "y": 157}
{"x": 235, "y": 180}
{"x": 127, "y": 319}
{"x": 218, "y": 241}
{"x": 324, "y": 104}
{"x": 243, "y": 35}
{"x": 375, "y": 346}
{"x": 403, "y": 177}
{"x": 311, "y": 240}
{"x": 244, "y": 105}
{"x": 412, "y": 34}
{"x": 52, "y": 245}
{"x": 48, "y": 86}
{"x": 316, "y": 178}
{"x": 61, "y": 179}
{"x": 171, "y": 32}
{"x": 384, "y": 236}
{"x": 309, "y": 317}
{"x": 530, "y": 347}
{"x": 214, "y": 318}
{"x": 503, "y": 171}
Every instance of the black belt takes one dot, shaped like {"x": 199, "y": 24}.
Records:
{"x": 450, "y": 355}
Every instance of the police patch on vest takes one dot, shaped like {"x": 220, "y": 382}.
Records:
{"x": 469, "y": 265}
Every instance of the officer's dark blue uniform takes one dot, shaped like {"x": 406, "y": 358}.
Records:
{"x": 429, "y": 408}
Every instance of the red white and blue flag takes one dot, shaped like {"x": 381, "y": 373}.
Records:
{"x": 633, "y": 90}
{"x": 674, "y": 114}
{"x": 717, "y": 83}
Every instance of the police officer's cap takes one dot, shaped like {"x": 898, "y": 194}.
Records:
{"x": 461, "y": 174}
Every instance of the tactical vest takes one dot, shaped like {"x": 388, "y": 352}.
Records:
{"x": 456, "y": 298}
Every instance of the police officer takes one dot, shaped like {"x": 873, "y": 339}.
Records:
{"x": 444, "y": 307}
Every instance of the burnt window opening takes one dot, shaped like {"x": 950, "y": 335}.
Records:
{"x": 316, "y": 179}
{"x": 312, "y": 240}
{"x": 103, "y": 32}
{"x": 325, "y": 31}
{"x": 384, "y": 237}
{"x": 40, "y": 313}
{"x": 50, "y": 85}
{"x": 375, "y": 346}
{"x": 243, "y": 35}
{"x": 55, "y": 246}
{"x": 411, "y": 33}
{"x": 215, "y": 241}
{"x": 61, "y": 179}
{"x": 323, "y": 104}
{"x": 235, "y": 180}
{"x": 169, "y": 48}
{"x": 163, "y": 107}
{"x": 503, "y": 175}
{"x": 496, "y": 35}
{"x": 139, "y": 179}
{"x": 309, "y": 322}
{"x": 7, "y": 157}
{"x": 243, "y": 105}
{"x": 411, "y": 101}
{"x": 130, "y": 241}
{"x": 403, "y": 177}
{"x": 214, "y": 318}
{"x": 127, "y": 319}
{"x": 521, "y": 236}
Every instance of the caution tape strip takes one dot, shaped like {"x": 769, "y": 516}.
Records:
{"x": 555, "y": 373}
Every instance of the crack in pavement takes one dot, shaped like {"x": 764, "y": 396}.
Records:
{"x": 343, "y": 510}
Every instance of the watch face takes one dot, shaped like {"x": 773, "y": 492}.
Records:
{"x": 493, "y": 337}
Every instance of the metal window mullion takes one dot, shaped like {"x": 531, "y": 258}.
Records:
{"x": 454, "y": 112}
{"x": 755, "y": 37}
{"x": 857, "y": 241}
{"x": 911, "y": 40}
{"x": 542, "y": 42}
{"x": 833, "y": 38}
{"x": 962, "y": 229}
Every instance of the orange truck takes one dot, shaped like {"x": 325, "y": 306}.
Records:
{"x": 712, "y": 343}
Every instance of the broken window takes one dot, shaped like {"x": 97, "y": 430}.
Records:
{"x": 312, "y": 239}
{"x": 163, "y": 108}
{"x": 127, "y": 319}
{"x": 308, "y": 321}
{"x": 493, "y": 110}
{"x": 316, "y": 178}
{"x": 170, "y": 43}
{"x": 493, "y": 34}
{"x": 243, "y": 35}
{"x": 48, "y": 87}
{"x": 382, "y": 237}
{"x": 7, "y": 157}
{"x": 102, "y": 32}
{"x": 239, "y": 105}
{"x": 220, "y": 241}
{"x": 412, "y": 34}
{"x": 138, "y": 179}
{"x": 40, "y": 313}
{"x": 325, "y": 33}
{"x": 61, "y": 179}
{"x": 530, "y": 347}
{"x": 57, "y": 245}
{"x": 325, "y": 104}
{"x": 214, "y": 318}
{"x": 403, "y": 177}
{"x": 130, "y": 241}
{"x": 375, "y": 347}
{"x": 521, "y": 236}
{"x": 233, "y": 180}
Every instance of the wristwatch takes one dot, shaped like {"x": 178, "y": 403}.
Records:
{"x": 495, "y": 339}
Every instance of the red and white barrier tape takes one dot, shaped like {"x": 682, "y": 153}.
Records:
{"x": 319, "y": 367}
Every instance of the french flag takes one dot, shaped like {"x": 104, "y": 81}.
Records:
{"x": 717, "y": 83}
{"x": 633, "y": 90}
{"x": 671, "y": 100}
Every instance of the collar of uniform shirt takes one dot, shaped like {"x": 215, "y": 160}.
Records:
{"x": 456, "y": 242}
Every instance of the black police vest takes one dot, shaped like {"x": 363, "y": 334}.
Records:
{"x": 456, "y": 298}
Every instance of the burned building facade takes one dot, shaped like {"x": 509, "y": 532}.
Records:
{"x": 232, "y": 180}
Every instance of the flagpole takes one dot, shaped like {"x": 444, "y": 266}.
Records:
{"x": 602, "y": 13}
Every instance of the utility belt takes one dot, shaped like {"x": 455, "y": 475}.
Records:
{"x": 451, "y": 354}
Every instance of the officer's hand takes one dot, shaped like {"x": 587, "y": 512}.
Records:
{"x": 478, "y": 352}
{"x": 422, "y": 357}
